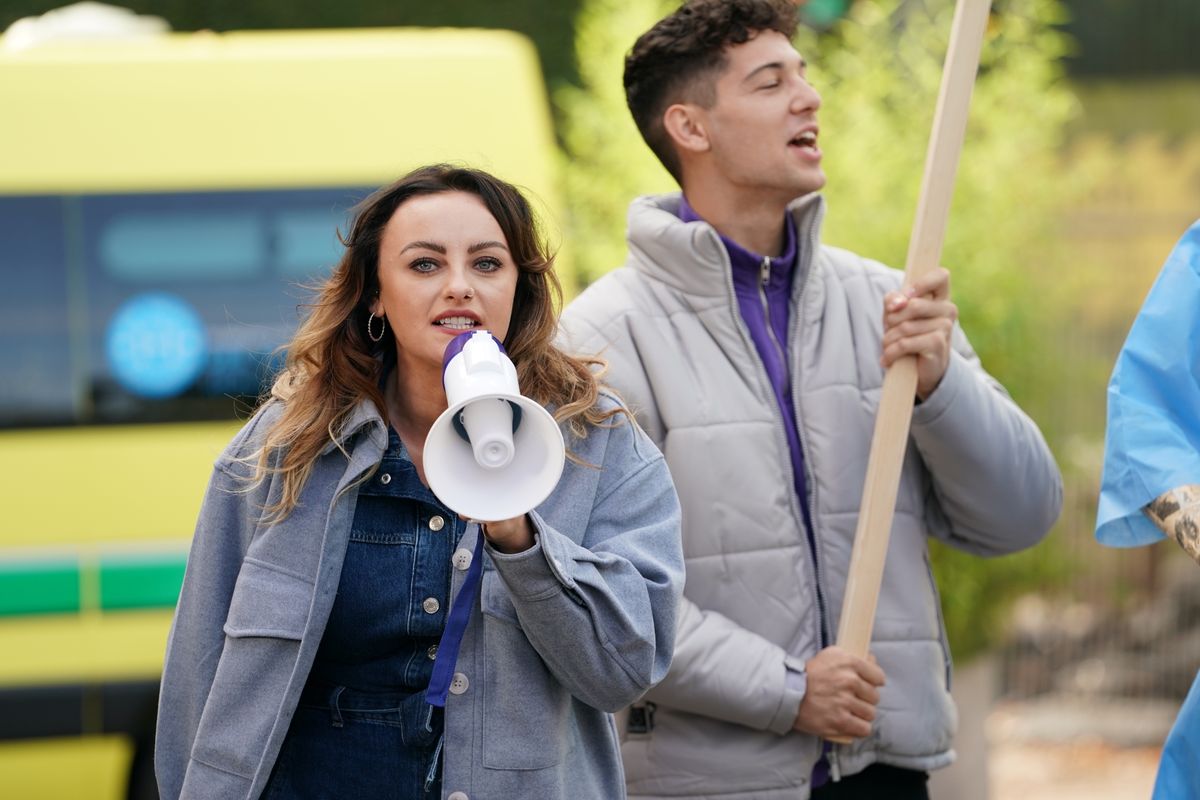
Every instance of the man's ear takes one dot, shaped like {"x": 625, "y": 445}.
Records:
{"x": 687, "y": 127}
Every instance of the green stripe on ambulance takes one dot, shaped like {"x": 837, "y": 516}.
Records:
{"x": 73, "y": 584}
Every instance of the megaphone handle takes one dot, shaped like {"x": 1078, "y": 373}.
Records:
{"x": 456, "y": 628}
{"x": 461, "y": 429}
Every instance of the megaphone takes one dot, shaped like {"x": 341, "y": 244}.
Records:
{"x": 493, "y": 454}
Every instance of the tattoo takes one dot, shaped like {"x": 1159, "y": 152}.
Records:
{"x": 1187, "y": 532}
{"x": 1162, "y": 507}
{"x": 1177, "y": 514}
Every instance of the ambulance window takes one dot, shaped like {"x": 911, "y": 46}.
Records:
{"x": 35, "y": 324}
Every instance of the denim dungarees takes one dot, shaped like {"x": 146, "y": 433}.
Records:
{"x": 363, "y": 728}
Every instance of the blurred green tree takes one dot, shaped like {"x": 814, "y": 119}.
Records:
{"x": 821, "y": 14}
{"x": 879, "y": 70}
{"x": 880, "y": 76}
{"x": 1134, "y": 37}
{"x": 605, "y": 162}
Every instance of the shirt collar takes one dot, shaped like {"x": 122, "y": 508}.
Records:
{"x": 741, "y": 258}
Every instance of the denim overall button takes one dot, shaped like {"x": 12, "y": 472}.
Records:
{"x": 436, "y": 523}
{"x": 432, "y": 652}
{"x": 462, "y": 558}
{"x": 459, "y": 684}
{"x": 431, "y": 605}
{"x": 385, "y": 479}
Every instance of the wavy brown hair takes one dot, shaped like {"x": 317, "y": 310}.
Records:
{"x": 332, "y": 365}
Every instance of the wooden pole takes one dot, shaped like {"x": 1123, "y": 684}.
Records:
{"x": 899, "y": 386}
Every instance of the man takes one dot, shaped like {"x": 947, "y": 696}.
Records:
{"x": 1151, "y": 484}
{"x": 754, "y": 357}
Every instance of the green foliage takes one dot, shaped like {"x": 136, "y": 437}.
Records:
{"x": 605, "y": 162}
{"x": 879, "y": 71}
{"x": 1124, "y": 108}
{"x": 822, "y": 14}
{"x": 977, "y": 593}
{"x": 880, "y": 77}
{"x": 1128, "y": 37}
{"x": 880, "y": 80}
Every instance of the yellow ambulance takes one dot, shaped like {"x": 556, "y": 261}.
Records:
{"x": 163, "y": 199}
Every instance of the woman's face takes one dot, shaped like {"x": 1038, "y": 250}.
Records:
{"x": 444, "y": 268}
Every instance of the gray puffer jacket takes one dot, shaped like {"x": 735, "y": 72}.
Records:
{"x": 977, "y": 474}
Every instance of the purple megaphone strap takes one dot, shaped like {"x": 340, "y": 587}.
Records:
{"x": 459, "y": 342}
{"x": 454, "y": 348}
{"x": 456, "y": 628}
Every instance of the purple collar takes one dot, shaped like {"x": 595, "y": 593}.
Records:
{"x": 746, "y": 263}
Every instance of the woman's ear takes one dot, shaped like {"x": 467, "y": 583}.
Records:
{"x": 685, "y": 124}
{"x": 375, "y": 305}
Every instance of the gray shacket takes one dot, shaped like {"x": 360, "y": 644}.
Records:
{"x": 576, "y": 627}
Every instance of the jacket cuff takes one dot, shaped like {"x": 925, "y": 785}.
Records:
{"x": 538, "y": 572}
{"x": 795, "y": 686}
{"x": 939, "y": 400}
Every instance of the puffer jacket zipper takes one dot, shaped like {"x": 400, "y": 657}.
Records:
{"x": 795, "y": 324}
{"x": 781, "y": 433}
{"x": 764, "y": 280}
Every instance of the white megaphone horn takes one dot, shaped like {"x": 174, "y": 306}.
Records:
{"x": 493, "y": 454}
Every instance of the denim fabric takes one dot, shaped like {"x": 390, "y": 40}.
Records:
{"x": 362, "y": 728}
{"x": 372, "y": 746}
{"x": 580, "y": 624}
{"x": 381, "y": 634}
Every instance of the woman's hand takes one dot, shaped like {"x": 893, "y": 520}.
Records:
{"x": 510, "y": 535}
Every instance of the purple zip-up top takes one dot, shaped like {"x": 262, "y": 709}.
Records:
{"x": 764, "y": 284}
{"x": 763, "y": 287}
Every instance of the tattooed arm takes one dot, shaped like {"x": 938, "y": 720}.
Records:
{"x": 1177, "y": 513}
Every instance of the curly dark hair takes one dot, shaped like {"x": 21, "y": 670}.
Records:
{"x": 679, "y": 59}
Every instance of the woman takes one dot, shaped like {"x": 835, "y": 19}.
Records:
{"x": 323, "y": 568}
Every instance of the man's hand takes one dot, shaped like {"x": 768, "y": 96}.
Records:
{"x": 918, "y": 321}
{"x": 843, "y": 690}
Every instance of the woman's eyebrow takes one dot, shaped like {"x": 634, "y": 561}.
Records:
{"x": 475, "y": 248}
{"x": 421, "y": 245}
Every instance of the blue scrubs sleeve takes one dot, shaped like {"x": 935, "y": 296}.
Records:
{"x": 1178, "y": 771}
{"x": 1152, "y": 443}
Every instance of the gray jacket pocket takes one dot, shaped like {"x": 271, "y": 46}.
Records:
{"x": 266, "y": 619}
{"x": 268, "y": 602}
{"x": 526, "y": 711}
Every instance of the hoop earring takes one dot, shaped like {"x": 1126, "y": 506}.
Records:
{"x": 382, "y": 328}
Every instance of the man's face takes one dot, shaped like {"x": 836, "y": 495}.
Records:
{"x": 762, "y": 127}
